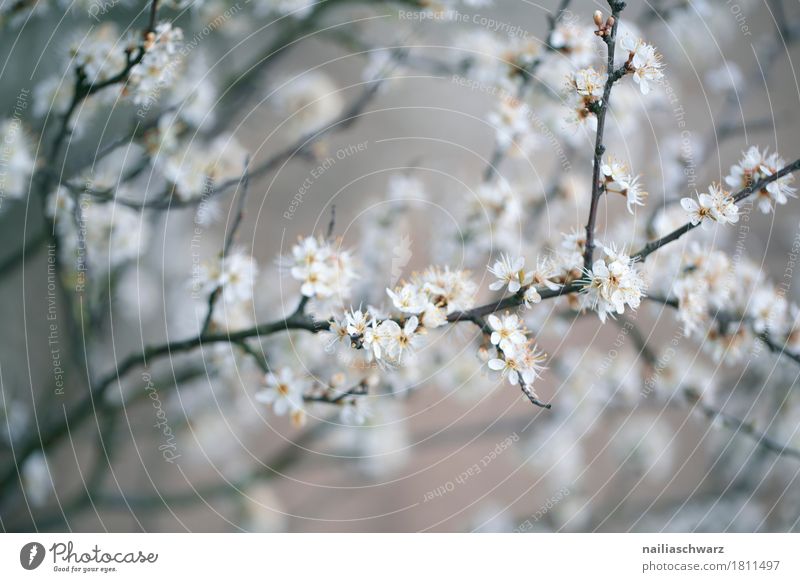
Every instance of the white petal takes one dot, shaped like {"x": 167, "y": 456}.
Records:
{"x": 496, "y": 364}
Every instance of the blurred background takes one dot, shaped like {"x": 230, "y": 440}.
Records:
{"x": 183, "y": 445}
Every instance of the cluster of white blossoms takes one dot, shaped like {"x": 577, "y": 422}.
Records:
{"x": 730, "y": 302}
{"x": 323, "y": 270}
{"x": 642, "y": 60}
{"x": 585, "y": 85}
{"x": 425, "y": 302}
{"x": 234, "y": 276}
{"x": 511, "y": 273}
{"x": 104, "y": 54}
{"x": 613, "y": 283}
{"x": 287, "y": 393}
{"x": 517, "y": 358}
{"x": 585, "y": 92}
{"x": 16, "y": 159}
{"x": 99, "y": 236}
{"x": 618, "y": 179}
{"x": 701, "y": 284}
{"x": 756, "y": 165}
{"x": 54, "y": 94}
{"x": 717, "y": 206}
{"x": 384, "y": 340}
{"x": 101, "y": 54}
{"x": 194, "y": 168}
{"x": 569, "y": 256}
{"x": 149, "y": 77}
{"x": 434, "y": 294}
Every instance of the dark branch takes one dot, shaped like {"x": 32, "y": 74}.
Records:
{"x": 600, "y": 148}
{"x": 653, "y": 246}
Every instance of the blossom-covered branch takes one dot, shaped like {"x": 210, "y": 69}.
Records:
{"x": 760, "y": 187}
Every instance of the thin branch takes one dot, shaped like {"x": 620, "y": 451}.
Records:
{"x": 300, "y": 147}
{"x": 269, "y": 468}
{"x": 739, "y": 426}
{"x": 669, "y": 301}
{"x": 612, "y": 77}
{"x": 511, "y": 302}
{"x": 638, "y": 338}
{"x": 239, "y": 86}
{"x": 331, "y": 224}
{"x": 229, "y": 238}
{"x": 42, "y": 439}
{"x": 526, "y": 390}
{"x": 728, "y": 420}
{"x": 726, "y": 319}
{"x": 777, "y": 348}
{"x": 297, "y": 321}
{"x": 329, "y": 397}
{"x": 653, "y": 246}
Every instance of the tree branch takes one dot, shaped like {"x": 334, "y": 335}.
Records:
{"x": 229, "y": 238}
{"x": 653, "y": 246}
{"x": 612, "y": 77}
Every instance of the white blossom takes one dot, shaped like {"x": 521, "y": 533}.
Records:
{"x": 700, "y": 211}
{"x": 756, "y": 165}
{"x": 619, "y": 181}
{"x": 149, "y": 77}
{"x": 409, "y": 298}
{"x": 715, "y": 206}
{"x": 408, "y": 336}
{"x": 235, "y": 274}
{"x": 507, "y": 331}
{"x": 283, "y": 391}
{"x": 571, "y": 249}
{"x": 357, "y": 322}
{"x": 643, "y": 61}
{"x": 509, "y": 272}
{"x": 194, "y": 168}
{"x": 613, "y": 284}
{"x": 588, "y": 83}
{"x": 355, "y": 411}
{"x": 723, "y": 206}
{"x": 325, "y": 272}
{"x": 531, "y": 296}
{"x": 521, "y": 363}
{"x": 768, "y": 309}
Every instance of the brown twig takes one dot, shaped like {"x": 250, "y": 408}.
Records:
{"x": 653, "y": 246}
{"x": 599, "y": 148}
{"x": 229, "y": 238}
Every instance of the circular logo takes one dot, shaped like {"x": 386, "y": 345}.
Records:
{"x": 31, "y": 555}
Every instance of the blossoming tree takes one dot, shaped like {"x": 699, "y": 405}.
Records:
{"x": 143, "y": 135}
